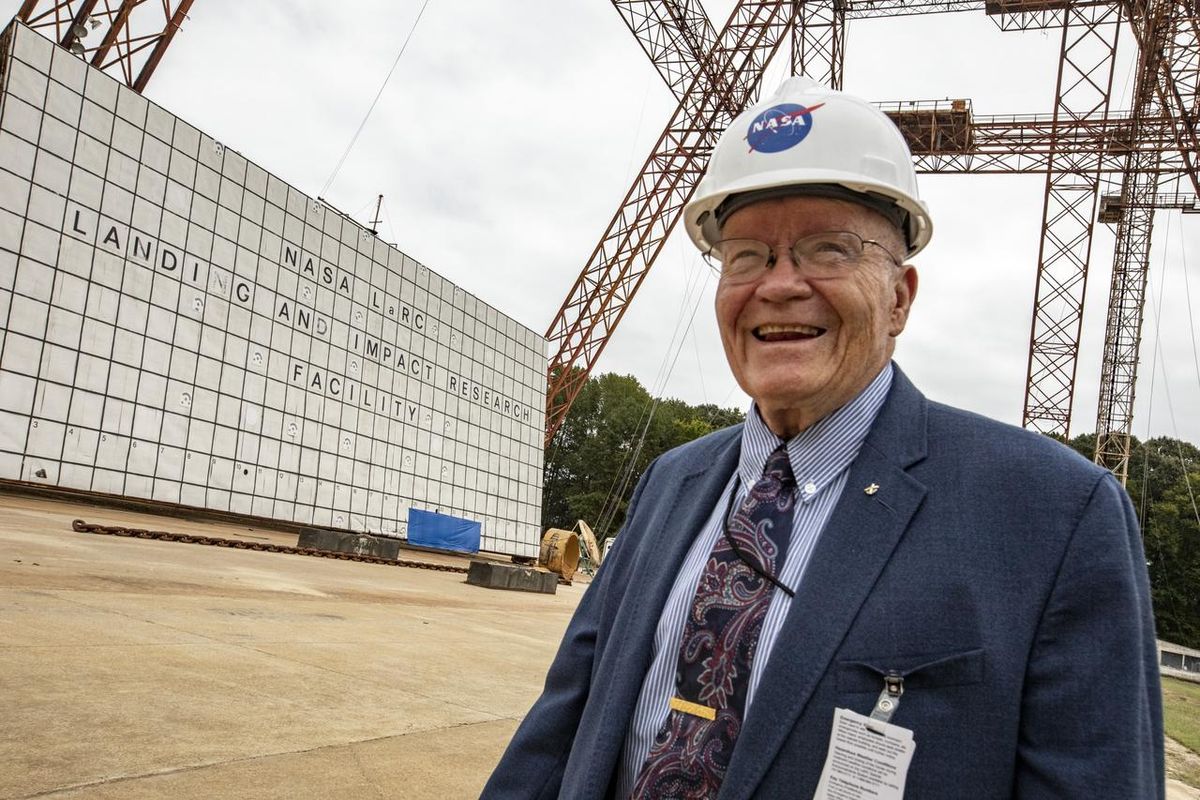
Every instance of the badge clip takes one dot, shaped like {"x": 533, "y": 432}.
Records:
{"x": 887, "y": 702}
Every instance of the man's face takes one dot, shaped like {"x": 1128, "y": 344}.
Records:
{"x": 804, "y": 347}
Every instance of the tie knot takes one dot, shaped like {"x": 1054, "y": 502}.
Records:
{"x": 779, "y": 467}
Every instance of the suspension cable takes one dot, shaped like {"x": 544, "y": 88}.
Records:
{"x": 382, "y": 86}
{"x": 692, "y": 294}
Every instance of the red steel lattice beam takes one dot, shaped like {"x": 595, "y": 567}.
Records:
{"x": 676, "y": 35}
{"x": 1023, "y": 144}
{"x": 819, "y": 40}
{"x": 1075, "y": 146}
{"x": 1173, "y": 39}
{"x": 1086, "y": 59}
{"x": 651, "y": 207}
{"x": 134, "y": 36}
{"x": 1155, "y": 23}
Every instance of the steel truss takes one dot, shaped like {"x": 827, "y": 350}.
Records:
{"x": 1086, "y": 59}
{"x": 714, "y": 76}
{"x": 675, "y": 35}
{"x": 946, "y": 137}
{"x": 130, "y": 38}
{"x": 621, "y": 260}
{"x": 1079, "y": 146}
{"x": 1156, "y": 24}
{"x": 819, "y": 40}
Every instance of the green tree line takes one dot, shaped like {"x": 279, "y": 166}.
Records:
{"x": 615, "y": 429}
{"x": 1164, "y": 484}
{"x": 612, "y": 433}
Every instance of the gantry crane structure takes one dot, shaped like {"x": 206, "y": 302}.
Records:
{"x": 1123, "y": 164}
{"x": 126, "y": 38}
{"x": 1100, "y": 165}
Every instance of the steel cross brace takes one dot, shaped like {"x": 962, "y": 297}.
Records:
{"x": 120, "y": 43}
{"x": 726, "y": 78}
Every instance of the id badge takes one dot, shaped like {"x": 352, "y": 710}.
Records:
{"x": 868, "y": 759}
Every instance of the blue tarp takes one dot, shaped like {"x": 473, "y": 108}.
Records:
{"x": 429, "y": 529}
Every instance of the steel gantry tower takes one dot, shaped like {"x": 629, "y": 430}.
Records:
{"x": 1082, "y": 146}
{"x": 714, "y": 75}
{"x": 1100, "y": 165}
{"x": 126, "y": 38}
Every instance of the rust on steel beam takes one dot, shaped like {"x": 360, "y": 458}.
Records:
{"x": 1177, "y": 74}
{"x": 946, "y": 139}
{"x": 117, "y": 27}
{"x": 619, "y": 263}
{"x": 1084, "y": 86}
{"x": 78, "y": 20}
{"x": 1154, "y": 22}
{"x": 867, "y": 9}
{"x": 1114, "y": 206}
{"x": 164, "y": 40}
{"x": 1009, "y": 15}
{"x": 131, "y": 30}
{"x": 819, "y": 40}
{"x": 1028, "y": 15}
{"x": 1123, "y": 330}
{"x": 676, "y": 36}
{"x": 934, "y": 127}
{"x": 57, "y": 14}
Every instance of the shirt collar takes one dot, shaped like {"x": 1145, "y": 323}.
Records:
{"x": 823, "y": 450}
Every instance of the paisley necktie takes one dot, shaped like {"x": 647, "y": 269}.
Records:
{"x": 692, "y": 749}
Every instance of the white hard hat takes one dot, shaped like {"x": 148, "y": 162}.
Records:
{"x": 809, "y": 139}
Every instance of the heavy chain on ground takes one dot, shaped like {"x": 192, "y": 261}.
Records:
{"x": 241, "y": 544}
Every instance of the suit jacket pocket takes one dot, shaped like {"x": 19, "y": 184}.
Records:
{"x": 927, "y": 671}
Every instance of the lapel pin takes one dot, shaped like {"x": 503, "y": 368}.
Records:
{"x": 872, "y": 489}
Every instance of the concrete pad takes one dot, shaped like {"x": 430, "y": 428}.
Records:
{"x": 136, "y": 668}
{"x": 440, "y": 764}
{"x": 1177, "y": 790}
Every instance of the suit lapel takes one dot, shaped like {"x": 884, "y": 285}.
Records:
{"x": 857, "y": 543}
{"x": 676, "y": 521}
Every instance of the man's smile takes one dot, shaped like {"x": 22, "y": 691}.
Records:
{"x": 786, "y": 333}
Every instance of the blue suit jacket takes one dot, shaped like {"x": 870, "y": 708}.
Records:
{"x": 1001, "y": 573}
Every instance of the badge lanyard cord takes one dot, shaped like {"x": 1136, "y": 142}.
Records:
{"x": 737, "y": 483}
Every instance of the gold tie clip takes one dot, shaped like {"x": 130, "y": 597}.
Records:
{"x": 695, "y": 709}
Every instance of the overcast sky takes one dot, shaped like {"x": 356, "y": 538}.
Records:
{"x": 510, "y": 131}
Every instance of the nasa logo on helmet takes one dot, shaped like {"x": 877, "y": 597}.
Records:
{"x": 856, "y": 151}
{"x": 780, "y": 127}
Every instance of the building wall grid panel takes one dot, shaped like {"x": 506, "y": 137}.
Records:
{"x": 177, "y": 324}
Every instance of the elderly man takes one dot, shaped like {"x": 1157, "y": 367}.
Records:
{"x": 858, "y": 592}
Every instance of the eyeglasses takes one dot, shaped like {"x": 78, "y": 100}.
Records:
{"x": 824, "y": 255}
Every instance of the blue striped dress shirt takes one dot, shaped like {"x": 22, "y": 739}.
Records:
{"x": 821, "y": 456}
